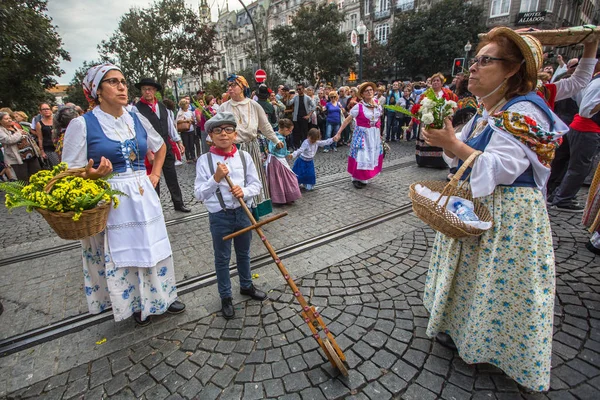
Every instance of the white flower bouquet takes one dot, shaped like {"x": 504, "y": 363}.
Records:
{"x": 431, "y": 111}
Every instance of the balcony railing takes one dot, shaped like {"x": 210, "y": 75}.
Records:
{"x": 382, "y": 14}
{"x": 406, "y": 6}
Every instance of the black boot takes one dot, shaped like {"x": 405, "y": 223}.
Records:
{"x": 227, "y": 308}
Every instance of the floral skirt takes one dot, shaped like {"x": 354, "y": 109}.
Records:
{"x": 494, "y": 295}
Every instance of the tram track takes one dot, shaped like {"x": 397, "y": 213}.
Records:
{"x": 33, "y": 255}
{"x": 79, "y": 322}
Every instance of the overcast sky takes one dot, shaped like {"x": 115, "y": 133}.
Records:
{"x": 83, "y": 24}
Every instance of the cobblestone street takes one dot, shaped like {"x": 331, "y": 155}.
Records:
{"x": 367, "y": 286}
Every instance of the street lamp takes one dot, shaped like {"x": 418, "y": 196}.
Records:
{"x": 467, "y": 50}
{"x": 361, "y": 29}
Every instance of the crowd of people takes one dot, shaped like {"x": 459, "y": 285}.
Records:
{"x": 491, "y": 298}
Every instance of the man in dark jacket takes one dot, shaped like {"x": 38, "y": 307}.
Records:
{"x": 157, "y": 114}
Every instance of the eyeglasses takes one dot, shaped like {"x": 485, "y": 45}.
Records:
{"x": 45, "y": 109}
{"x": 484, "y": 61}
{"x": 114, "y": 82}
{"x": 368, "y": 90}
{"x": 218, "y": 130}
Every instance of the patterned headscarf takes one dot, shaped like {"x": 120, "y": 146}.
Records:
{"x": 241, "y": 82}
{"x": 92, "y": 80}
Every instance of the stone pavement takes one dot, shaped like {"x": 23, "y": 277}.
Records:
{"x": 368, "y": 288}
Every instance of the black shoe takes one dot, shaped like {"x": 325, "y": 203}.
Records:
{"x": 137, "y": 316}
{"x": 445, "y": 340}
{"x": 254, "y": 293}
{"x": 176, "y": 307}
{"x": 227, "y": 308}
{"x": 182, "y": 208}
{"x": 572, "y": 208}
{"x": 358, "y": 184}
{"x": 592, "y": 248}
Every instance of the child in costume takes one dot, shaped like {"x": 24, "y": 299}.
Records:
{"x": 226, "y": 215}
{"x": 304, "y": 166}
{"x": 283, "y": 182}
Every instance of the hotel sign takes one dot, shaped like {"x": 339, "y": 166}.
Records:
{"x": 531, "y": 18}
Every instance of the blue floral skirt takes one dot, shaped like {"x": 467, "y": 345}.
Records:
{"x": 494, "y": 295}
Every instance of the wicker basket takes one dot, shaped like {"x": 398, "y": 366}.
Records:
{"x": 437, "y": 216}
{"x": 90, "y": 223}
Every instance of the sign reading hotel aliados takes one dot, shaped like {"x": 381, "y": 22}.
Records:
{"x": 530, "y": 18}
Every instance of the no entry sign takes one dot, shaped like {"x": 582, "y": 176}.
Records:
{"x": 260, "y": 76}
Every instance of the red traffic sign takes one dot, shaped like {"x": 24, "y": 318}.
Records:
{"x": 260, "y": 75}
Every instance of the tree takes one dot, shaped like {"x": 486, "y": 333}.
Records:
{"x": 378, "y": 65}
{"x": 153, "y": 41}
{"x": 198, "y": 55}
{"x": 312, "y": 48}
{"x": 75, "y": 90}
{"x": 216, "y": 88}
{"x": 30, "y": 53}
{"x": 426, "y": 42}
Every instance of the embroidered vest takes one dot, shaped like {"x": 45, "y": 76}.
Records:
{"x": 480, "y": 142}
{"x": 161, "y": 125}
{"x": 99, "y": 145}
{"x": 363, "y": 121}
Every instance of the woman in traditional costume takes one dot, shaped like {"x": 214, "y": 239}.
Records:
{"x": 128, "y": 266}
{"x": 366, "y": 152}
{"x": 250, "y": 119}
{"x": 492, "y": 297}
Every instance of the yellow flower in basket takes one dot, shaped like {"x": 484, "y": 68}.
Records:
{"x": 75, "y": 207}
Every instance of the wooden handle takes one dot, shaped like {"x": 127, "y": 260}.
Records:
{"x": 256, "y": 225}
{"x": 242, "y": 202}
{"x": 80, "y": 172}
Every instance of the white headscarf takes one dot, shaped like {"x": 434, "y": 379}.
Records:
{"x": 93, "y": 77}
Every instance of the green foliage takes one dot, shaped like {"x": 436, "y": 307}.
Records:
{"x": 30, "y": 53}
{"x": 427, "y": 42}
{"x": 152, "y": 41}
{"x": 312, "y": 48}
{"x": 216, "y": 88}
{"x": 377, "y": 63}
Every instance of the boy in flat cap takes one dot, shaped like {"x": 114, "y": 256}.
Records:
{"x": 225, "y": 213}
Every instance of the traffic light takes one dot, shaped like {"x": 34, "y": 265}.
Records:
{"x": 458, "y": 66}
{"x": 352, "y": 76}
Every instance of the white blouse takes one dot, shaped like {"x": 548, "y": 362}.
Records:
{"x": 505, "y": 158}
{"x": 308, "y": 150}
{"x": 121, "y": 129}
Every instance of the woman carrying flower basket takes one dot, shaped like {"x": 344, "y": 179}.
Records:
{"x": 366, "y": 151}
{"x": 426, "y": 155}
{"x": 492, "y": 296}
{"x": 129, "y": 266}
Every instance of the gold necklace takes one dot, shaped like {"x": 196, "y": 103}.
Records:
{"x": 238, "y": 115}
{"x": 133, "y": 155}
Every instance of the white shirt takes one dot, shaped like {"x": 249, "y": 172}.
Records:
{"x": 573, "y": 85}
{"x": 308, "y": 150}
{"x": 505, "y": 158}
{"x": 120, "y": 129}
{"x": 250, "y": 118}
{"x": 588, "y": 98}
{"x": 205, "y": 186}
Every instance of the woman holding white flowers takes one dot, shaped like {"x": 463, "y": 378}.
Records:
{"x": 492, "y": 297}
{"x": 366, "y": 152}
{"x": 431, "y": 156}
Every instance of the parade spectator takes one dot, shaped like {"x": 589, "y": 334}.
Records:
{"x": 6, "y": 173}
{"x": 156, "y": 112}
{"x": 203, "y": 114}
{"x": 391, "y": 123}
{"x": 303, "y": 110}
{"x": 404, "y": 121}
{"x": 61, "y": 121}
{"x": 268, "y": 108}
{"x": 277, "y": 104}
{"x": 226, "y": 215}
{"x": 366, "y": 151}
{"x": 46, "y": 142}
{"x": 171, "y": 110}
{"x": 304, "y": 166}
{"x": 492, "y": 297}
{"x": 129, "y": 266}
{"x": 186, "y": 127}
{"x": 20, "y": 150}
{"x": 334, "y": 116}
{"x": 250, "y": 117}
{"x": 283, "y": 182}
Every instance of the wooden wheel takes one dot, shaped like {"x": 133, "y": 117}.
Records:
{"x": 339, "y": 364}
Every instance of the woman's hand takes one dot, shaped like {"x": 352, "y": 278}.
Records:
{"x": 279, "y": 145}
{"x": 154, "y": 179}
{"x": 44, "y": 156}
{"x": 104, "y": 168}
{"x": 444, "y": 138}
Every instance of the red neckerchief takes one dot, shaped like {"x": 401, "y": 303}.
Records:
{"x": 226, "y": 154}
{"x": 151, "y": 105}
